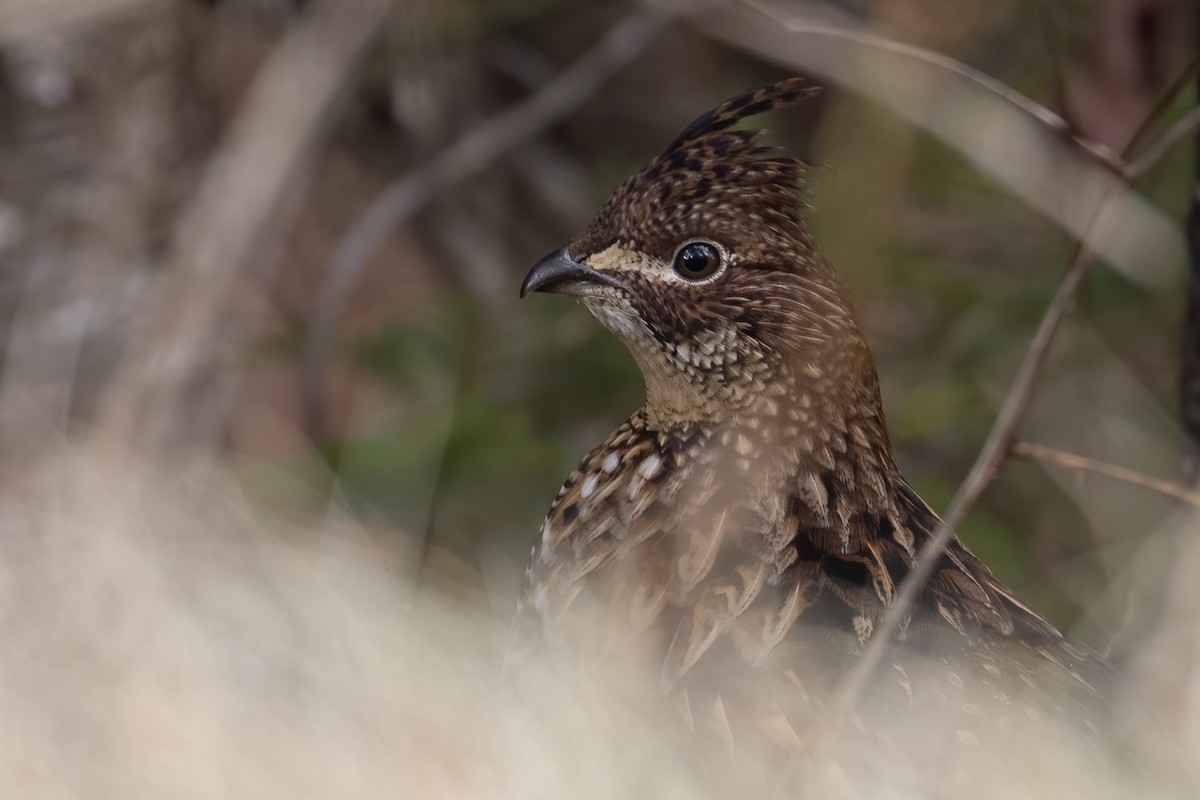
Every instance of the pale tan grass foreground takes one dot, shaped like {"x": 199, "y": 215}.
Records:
{"x": 163, "y": 638}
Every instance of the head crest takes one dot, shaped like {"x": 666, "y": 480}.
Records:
{"x": 749, "y": 104}
{"x": 711, "y": 182}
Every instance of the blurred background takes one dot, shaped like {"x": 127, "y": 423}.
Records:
{"x": 280, "y": 243}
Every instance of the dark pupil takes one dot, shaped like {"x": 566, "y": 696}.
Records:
{"x": 697, "y": 260}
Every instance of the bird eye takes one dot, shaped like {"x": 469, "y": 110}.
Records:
{"x": 697, "y": 260}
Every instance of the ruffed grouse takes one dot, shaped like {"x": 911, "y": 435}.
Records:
{"x": 749, "y": 519}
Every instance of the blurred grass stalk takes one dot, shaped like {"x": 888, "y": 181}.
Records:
{"x": 267, "y": 151}
{"x": 167, "y": 638}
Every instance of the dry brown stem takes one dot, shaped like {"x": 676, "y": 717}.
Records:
{"x": 1062, "y": 458}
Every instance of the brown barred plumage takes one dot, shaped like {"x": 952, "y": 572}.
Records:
{"x": 749, "y": 519}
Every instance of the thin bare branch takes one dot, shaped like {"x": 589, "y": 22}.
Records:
{"x": 1164, "y": 102}
{"x": 1037, "y": 111}
{"x": 1050, "y": 455}
{"x": 262, "y": 154}
{"x": 998, "y": 445}
{"x": 993, "y": 454}
{"x": 1022, "y": 145}
{"x": 1051, "y": 27}
{"x": 624, "y": 42}
{"x": 1155, "y": 152}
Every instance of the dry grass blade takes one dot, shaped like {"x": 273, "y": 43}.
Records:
{"x": 1026, "y": 147}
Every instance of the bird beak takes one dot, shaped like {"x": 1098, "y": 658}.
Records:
{"x": 560, "y": 273}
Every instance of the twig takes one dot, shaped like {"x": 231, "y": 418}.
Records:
{"x": 1052, "y": 35}
{"x": 1037, "y": 111}
{"x": 1164, "y": 102}
{"x": 998, "y": 445}
{"x": 1154, "y": 153}
{"x": 1050, "y": 455}
{"x": 1002, "y": 133}
{"x": 262, "y": 153}
{"x": 995, "y": 450}
{"x": 624, "y": 42}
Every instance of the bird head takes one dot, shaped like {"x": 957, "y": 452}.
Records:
{"x": 701, "y": 264}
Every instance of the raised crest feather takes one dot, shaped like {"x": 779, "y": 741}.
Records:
{"x": 749, "y": 104}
